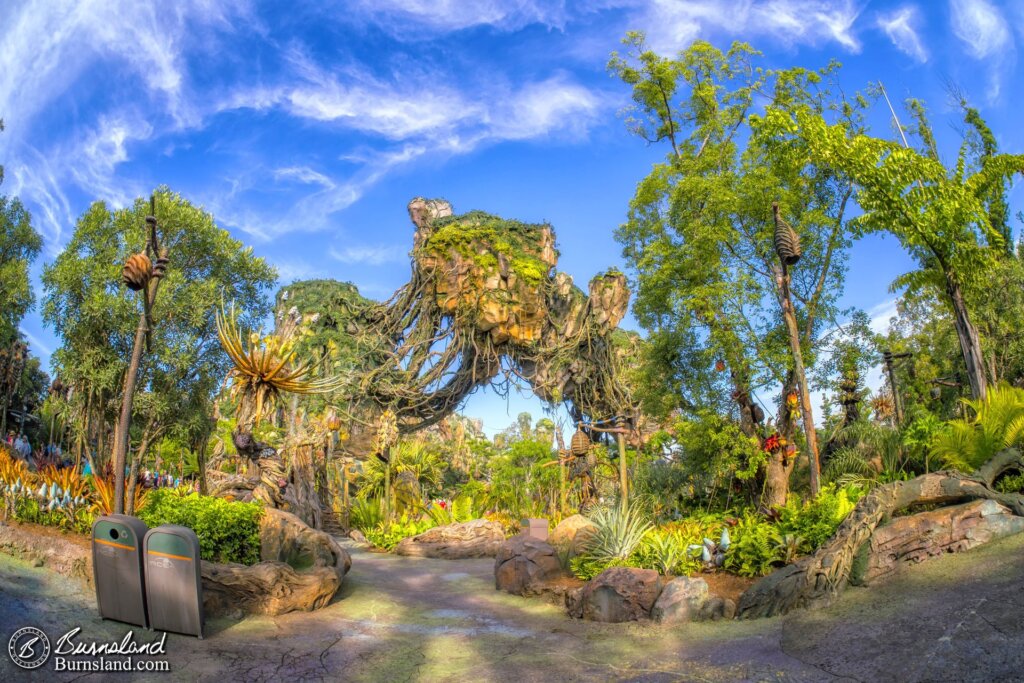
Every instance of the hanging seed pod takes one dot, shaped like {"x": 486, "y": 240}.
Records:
{"x": 580, "y": 443}
{"x": 719, "y": 365}
{"x": 137, "y": 271}
{"x": 787, "y": 242}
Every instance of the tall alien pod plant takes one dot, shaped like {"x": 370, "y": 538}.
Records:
{"x": 263, "y": 368}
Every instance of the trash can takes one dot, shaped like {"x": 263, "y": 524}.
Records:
{"x": 117, "y": 568}
{"x": 535, "y": 528}
{"x": 174, "y": 587}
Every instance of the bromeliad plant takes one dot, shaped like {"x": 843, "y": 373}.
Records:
{"x": 264, "y": 368}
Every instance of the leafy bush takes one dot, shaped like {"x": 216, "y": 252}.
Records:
{"x": 78, "y": 519}
{"x": 665, "y": 550}
{"x": 815, "y": 521}
{"x": 998, "y": 423}
{"x": 227, "y": 531}
{"x": 1013, "y": 483}
{"x": 366, "y": 514}
{"x": 387, "y": 536}
{"x": 755, "y": 548}
{"x": 511, "y": 525}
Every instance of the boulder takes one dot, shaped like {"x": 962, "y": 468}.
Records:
{"x": 617, "y": 594}
{"x": 357, "y": 537}
{"x": 286, "y": 538}
{"x": 920, "y": 537}
{"x": 522, "y": 563}
{"x": 716, "y": 608}
{"x": 681, "y": 600}
{"x": 571, "y": 532}
{"x": 476, "y": 538}
{"x": 270, "y": 588}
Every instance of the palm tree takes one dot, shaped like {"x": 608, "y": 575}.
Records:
{"x": 998, "y": 423}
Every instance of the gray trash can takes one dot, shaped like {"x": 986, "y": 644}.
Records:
{"x": 117, "y": 568}
{"x": 174, "y": 586}
{"x": 535, "y": 528}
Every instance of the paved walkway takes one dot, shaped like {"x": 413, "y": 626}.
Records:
{"x": 958, "y": 618}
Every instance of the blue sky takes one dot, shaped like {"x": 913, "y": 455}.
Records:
{"x": 306, "y": 127}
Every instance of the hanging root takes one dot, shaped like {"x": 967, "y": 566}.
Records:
{"x": 817, "y": 579}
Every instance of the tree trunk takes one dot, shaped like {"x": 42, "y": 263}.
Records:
{"x": 201, "y": 458}
{"x": 970, "y": 343}
{"x": 125, "y": 420}
{"x": 817, "y": 579}
{"x": 789, "y": 315}
{"x": 779, "y": 467}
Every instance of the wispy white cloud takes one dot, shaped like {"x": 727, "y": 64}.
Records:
{"x": 369, "y": 255}
{"x": 985, "y": 33}
{"x": 981, "y": 26}
{"x": 409, "y": 19}
{"x": 880, "y": 316}
{"x": 671, "y": 25}
{"x": 39, "y": 347}
{"x": 899, "y": 26}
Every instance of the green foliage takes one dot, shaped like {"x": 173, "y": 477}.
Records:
{"x": 1013, "y": 483}
{"x": 479, "y": 236}
{"x": 815, "y": 521}
{"x": 95, "y": 316}
{"x": 699, "y": 228}
{"x": 387, "y": 536}
{"x": 78, "y": 519}
{"x": 366, "y": 513}
{"x": 461, "y": 509}
{"x": 227, "y": 531}
{"x": 756, "y": 547}
{"x": 665, "y": 549}
{"x": 998, "y": 423}
{"x": 19, "y": 246}
{"x": 616, "y": 536}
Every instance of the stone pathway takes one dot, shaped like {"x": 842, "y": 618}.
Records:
{"x": 959, "y": 618}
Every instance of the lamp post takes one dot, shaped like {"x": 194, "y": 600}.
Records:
{"x": 141, "y": 275}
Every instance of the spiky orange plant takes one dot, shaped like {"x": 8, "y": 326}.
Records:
{"x": 12, "y": 469}
{"x": 68, "y": 479}
{"x": 264, "y": 368}
{"x": 104, "y": 497}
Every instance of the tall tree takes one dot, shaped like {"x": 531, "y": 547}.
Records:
{"x": 88, "y": 307}
{"x": 19, "y": 246}
{"x": 947, "y": 218}
{"x": 700, "y": 230}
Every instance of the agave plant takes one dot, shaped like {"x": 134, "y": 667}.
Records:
{"x": 264, "y": 367}
{"x": 998, "y": 423}
{"x": 617, "y": 534}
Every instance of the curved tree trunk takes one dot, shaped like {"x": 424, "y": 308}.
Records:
{"x": 970, "y": 343}
{"x": 817, "y": 579}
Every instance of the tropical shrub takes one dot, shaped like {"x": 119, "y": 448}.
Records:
{"x": 366, "y": 513}
{"x": 815, "y": 521}
{"x": 755, "y": 548}
{"x": 228, "y": 531}
{"x": 998, "y": 423}
{"x": 616, "y": 535}
{"x": 387, "y": 536}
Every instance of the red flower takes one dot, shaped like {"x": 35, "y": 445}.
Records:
{"x": 772, "y": 443}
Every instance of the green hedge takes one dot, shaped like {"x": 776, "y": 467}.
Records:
{"x": 227, "y": 531}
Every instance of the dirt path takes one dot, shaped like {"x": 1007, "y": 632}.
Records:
{"x": 960, "y": 618}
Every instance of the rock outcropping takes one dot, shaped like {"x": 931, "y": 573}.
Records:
{"x": 523, "y": 563}
{"x": 476, "y": 538}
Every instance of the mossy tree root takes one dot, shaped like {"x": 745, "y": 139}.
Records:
{"x": 817, "y": 579}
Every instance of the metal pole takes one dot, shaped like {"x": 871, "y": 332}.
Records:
{"x": 623, "y": 481}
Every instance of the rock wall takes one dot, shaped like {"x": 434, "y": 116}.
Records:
{"x": 918, "y": 538}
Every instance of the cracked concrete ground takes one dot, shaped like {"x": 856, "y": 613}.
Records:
{"x": 957, "y": 618}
